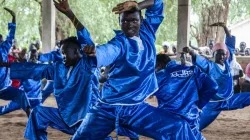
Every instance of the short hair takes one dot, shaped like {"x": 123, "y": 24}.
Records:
{"x": 71, "y": 42}
{"x": 1, "y": 36}
{"x": 133, "y": 10}
{"x": 162, "y": 59}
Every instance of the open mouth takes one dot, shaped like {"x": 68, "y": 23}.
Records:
{"x": 131, "y": 31}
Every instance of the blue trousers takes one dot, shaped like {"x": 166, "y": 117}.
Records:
{"x": 143, "y": 119}
{"x": 42, "y": 117}
{"x": 12, "y": 106}
{"x": 17, "y": 96}
{"x": 210, "y": 112}
{"x": 197, "y": 133}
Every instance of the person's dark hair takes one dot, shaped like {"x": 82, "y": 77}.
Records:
{"x": 163, "y": 59}
{"x": 132, "y": 11}
{"x": 242, "y": 43}
{"x": 71, "y": 42}
{"x": 1, "y": 37}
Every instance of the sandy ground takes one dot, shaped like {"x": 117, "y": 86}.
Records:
{"x": 230, "y": 125}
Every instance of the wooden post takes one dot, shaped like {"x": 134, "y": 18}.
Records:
{"x": 183, "y": 24}
{"x": 48, "y": 26}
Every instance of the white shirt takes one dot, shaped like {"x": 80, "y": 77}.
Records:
{"x": 139, "y": 42}
{"x": 222, "y": 67}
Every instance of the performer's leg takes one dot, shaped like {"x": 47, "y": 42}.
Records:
{"x": 97, "y": 124}
{"x": 39, "y": 120}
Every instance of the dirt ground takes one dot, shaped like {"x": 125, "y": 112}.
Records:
{"x": 230, "y": 125}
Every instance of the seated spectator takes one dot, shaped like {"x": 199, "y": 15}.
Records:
{"x": 237, "y": 72}
{"x": 246, "y": 83}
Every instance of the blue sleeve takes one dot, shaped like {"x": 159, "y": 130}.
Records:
{"x": 31, "y": 71}
{"x": 154, "y": 15}
{"x": 207, "y": 87}
{"x": 230, "y": 42}
{"x": 54, "y": 56}
{"x": 84, "y": 38}
{"x": 201, "y": 62}
{"x": 107, "y": 54}
{"x": 11, "y": 35}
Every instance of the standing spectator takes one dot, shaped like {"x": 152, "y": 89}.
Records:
{"x": 237, "y": 72}
{"x": 242, "y": 48}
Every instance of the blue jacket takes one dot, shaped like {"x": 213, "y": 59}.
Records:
{"x": 53, "y": 56}
{"x": 223, "y": 78}
{"x": 4, "y": 51}
{"x": 32, "y": 88}
{"x": 132, "y": 75}
{"x": 184, "y": 90}
{"x": 82, "y": 36}
{"x": 73, "y": 93}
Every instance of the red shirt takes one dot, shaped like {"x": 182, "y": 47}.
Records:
{"x": 15, "y": 83}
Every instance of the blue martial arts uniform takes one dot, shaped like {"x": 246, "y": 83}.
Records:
{"x": 184, "y": 90}
{"x": 7, "y": 92}
{"x": 224, "y": 98}
{"x": 73, "y": 90}
{"x": 54, "y": 56}
{"x": 33, "y": 93}
{"x": 131, "y": 80}
{"x": 32, "y": 89}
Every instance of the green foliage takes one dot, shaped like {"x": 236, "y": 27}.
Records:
{"x": 27, "y": 17}
{"x": 96, "y": 15}
{"x": 239, "y": 11}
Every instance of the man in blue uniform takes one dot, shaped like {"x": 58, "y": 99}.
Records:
{"x": 131, "y": 55}
{"x": 32, "y": 89}
{"x": 74, "y": 83}
{"x": 220, "y": 72}
{"x": 183, "y": 90}
{"x": 7, "y": 92}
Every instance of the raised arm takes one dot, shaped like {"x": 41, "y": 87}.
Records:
{"x": 12, "y": 29}
{"x": 223, "y": 25}
{"x": 154, "y": 12}
{"x": 63, "y": 7}
{"x": 230, "y": 40}
{"x": 12, "y": 14}
{"x": 82, "y": 33}
{"x": 198, "y": 60}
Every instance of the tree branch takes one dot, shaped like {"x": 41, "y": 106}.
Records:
{"x": 39, "y": 2}
{"x": 2, "y": 2}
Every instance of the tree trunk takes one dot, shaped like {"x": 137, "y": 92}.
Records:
{"x": 40, "y": 20}
{"x": 218, "y": 12}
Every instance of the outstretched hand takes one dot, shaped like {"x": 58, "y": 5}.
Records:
{"x": 90, "y": 51}
{"x": 62, "y": 6}
{"x": 125, "y": 6}
{"x": 10, "y": 11}
{"x": 222, "y": 24}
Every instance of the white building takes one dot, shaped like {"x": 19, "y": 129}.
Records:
{"x": 241, "y": 31}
